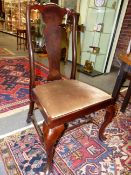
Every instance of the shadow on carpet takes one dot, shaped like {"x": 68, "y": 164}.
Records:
{"x": 79, "y": 151}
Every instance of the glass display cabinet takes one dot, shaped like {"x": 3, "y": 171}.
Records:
{"x": 100, "y": 18}
{"x": 14, "y": 14}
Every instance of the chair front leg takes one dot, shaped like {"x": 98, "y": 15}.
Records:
{"x": 120, "y": 80}
{"x": 110, "y": 113}
{"x": 51, "y": 136}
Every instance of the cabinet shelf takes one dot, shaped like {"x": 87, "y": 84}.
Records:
{"x": 98, "y": 32}
{"x": 102, "y": 8}
{"x": 94, "y": 53}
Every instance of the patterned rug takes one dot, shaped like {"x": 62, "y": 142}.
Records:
{"x": 79, "y": 151}
{"x": 5, "y": 52}
{"x": 14, "y": 83}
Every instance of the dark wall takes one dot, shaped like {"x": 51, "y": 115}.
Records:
{"x": 125, "y": 34}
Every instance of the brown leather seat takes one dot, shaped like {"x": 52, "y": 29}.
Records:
{"x": 61, "y": 100}
{"x": 59, "y": 97}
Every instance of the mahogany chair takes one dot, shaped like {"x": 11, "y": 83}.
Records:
{"x": 61, "y": 100}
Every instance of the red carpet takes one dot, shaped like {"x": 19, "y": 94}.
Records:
{"x": 79, "y": 151}
{"x": 14, "y": 83}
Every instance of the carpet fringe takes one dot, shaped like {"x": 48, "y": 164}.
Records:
{"x": 12, "y": 53}
{"x": 15, "y": 111}
{"x": 12, "y": 57}
{"x": 19, "y": 130}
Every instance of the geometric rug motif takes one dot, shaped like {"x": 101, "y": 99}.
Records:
{"x": 14, "y": 83}
{"x": 79, "y": 151}
{"x": 5, "y": 52}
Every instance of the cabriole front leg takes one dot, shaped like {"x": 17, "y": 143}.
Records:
{"x": 110, "y": 113}
{"x": 51, "y": 136}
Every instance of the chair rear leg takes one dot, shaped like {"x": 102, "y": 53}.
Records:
{"x": 30, "y": 113}
{"x": 126, "y": 99}
{"x": 51, "y": 137}
{"x": 110, "y": 113}
{"x": 120, "y": 80}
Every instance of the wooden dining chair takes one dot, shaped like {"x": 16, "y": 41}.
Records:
{"x": 61, "y": 100}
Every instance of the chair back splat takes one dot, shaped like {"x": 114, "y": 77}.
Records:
{"x": 52, "y": 16}
{"x": 59, "y": 100}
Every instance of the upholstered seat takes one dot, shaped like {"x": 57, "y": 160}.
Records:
{"x": 58, "y": 98}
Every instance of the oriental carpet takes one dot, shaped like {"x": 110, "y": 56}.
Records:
{"x": 6, "y": 52}
{"x": 79, "y": 151}
{"x": 14, "y": 83}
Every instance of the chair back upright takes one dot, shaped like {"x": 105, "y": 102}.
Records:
{"x": 52, "y": 16}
